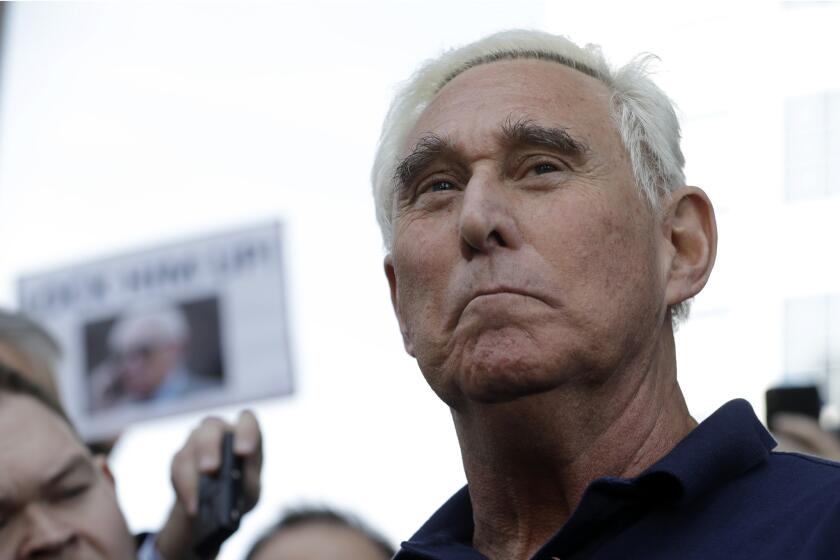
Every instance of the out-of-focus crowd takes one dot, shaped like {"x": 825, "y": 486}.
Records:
{"x": 57, "y": 497}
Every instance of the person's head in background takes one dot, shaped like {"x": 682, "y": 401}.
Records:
{"x": 56, "y": 499}
{"x": 147, "y": 346}
{"x": 28, "y": 348}
{"x": 320, "y": 534}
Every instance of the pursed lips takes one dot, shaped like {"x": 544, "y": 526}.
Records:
{"x": 499, "y": 290}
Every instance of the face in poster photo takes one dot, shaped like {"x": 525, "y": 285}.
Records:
{"x": 153, "y": 354}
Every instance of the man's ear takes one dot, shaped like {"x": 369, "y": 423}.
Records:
{"x": 101, "y": 463}
{"x": 692, "y": 232}
{"x": 391, "y": 274}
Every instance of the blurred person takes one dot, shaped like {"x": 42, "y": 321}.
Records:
{"x": 148, "y": 351}
{"x": 27, "y": 347}
{"x": 542, "y": 245}
{"x": 320, "y": 534}
{"x": 57, "y": 500}
{"x": 803, "y": 434}
{"x": 30, "y": 349}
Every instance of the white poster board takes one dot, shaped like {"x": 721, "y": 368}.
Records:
{"x": 172, "y": 329}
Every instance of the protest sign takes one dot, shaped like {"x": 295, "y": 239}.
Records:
{"x": 177, "y": 328}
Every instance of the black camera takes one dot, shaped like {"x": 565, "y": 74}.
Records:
{"x": 220, "y": 503}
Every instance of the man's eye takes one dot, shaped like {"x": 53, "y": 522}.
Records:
{"x": 439, "y": 186}
{"x": 543, "y": 168}
{"x": 71, "y": 492}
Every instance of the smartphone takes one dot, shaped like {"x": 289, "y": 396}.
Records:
{"x": 220, "y": 502}
{"x": 803, "y": 400}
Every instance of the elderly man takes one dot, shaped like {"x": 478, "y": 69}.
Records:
{"x": 58, "y": 501}
{"x": 542, "y": 243}
{"x": 148, "y": 362}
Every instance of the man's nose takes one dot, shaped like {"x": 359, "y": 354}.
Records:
{"x": 487, "y": 220}
{"x": 48, "y": 536}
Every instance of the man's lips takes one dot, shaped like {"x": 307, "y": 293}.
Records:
{"x": 494, "y": 291}
{"x": 497, "y": 291}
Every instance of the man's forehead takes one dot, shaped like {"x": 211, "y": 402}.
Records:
{"x": 545, "y": 92}
{"x": 27, "y": 422}
{"x": 36, "y": 443}
{"x": 499, "y": 71}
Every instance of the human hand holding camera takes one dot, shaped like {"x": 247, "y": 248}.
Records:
{"x": 196, "y": 527}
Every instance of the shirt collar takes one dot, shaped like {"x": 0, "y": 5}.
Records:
{"x": 448, "y": 532}
{"x": 728, "y": 443}
{"x": 725, "y": 445}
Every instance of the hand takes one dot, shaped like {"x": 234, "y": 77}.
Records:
{"x": 803, "y": 434}
{"x": 202, "y": 455}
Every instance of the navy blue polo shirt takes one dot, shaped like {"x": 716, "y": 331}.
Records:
{"x": 720, "y": 493}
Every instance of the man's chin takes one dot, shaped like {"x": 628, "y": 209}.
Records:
{"x": 490, "y": 384}
{"x": 497, "y": 369}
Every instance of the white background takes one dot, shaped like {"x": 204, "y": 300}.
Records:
{"x": 127, "y": 125}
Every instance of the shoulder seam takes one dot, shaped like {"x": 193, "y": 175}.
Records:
{"x": 808, "y": 458}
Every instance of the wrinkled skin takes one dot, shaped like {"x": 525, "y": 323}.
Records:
{"x": 516, "y": 269}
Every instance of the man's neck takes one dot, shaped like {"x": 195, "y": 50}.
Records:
{"x": 529, "y": 461}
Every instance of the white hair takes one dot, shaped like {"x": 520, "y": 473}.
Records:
{"x": 644, "y": 116}
{"x": 149, "y": 325}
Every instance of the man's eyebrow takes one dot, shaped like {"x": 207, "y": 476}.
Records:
{"x": 74, "y": 464}
{"x": 429, "y": 148}
{"x": 525, "y": 132}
